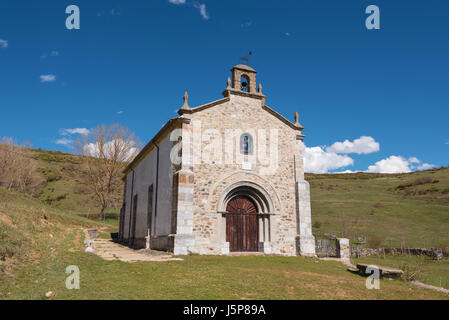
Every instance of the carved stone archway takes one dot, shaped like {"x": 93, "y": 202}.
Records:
{"x": 262, "y": 201}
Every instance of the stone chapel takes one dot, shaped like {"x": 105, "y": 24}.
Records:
{"x": 223, "y": 177}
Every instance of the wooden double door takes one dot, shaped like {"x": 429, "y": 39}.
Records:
{"x": 242, "y": 227}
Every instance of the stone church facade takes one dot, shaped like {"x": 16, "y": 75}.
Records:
{"x": 219, "y": 178}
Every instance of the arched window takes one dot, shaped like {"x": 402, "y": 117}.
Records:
{"x": 246, "y": 144}
{"x": 244, "y": 83}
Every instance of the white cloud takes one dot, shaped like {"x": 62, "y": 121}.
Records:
{"x": 54, "y": 53}
{"x": 316, "y": 160}
{"x": 48, "y": 78}
{"x": 392, "y": 164}
{"x": 110, "y": 12}
{"x": 92, "y": 149}
{"x": 346, "y": 171}
{"x": 82, "y": 131}
{"x": 67, "y": 134}
{"x": 247, "y": 24}
{"x": 64, "y": 141}
{"x": 413, "y": 160}
{"x": 362, "y": 145}
{"x": 121, "y": 112}
{"x": 3, "y": 43}
{"x": 447, "y": 142}
{"x": 323, "y": 159}
{"x": 425, "y": 166}
{"x": 202, "y": 8}
{"x": 398, "y": 164}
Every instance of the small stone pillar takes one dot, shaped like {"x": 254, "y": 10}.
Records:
{"x": 148, "y": 240}
{"x": 343, "y": 249}
{"x": 305, "y": 241}
{"x": 184, "y": 239}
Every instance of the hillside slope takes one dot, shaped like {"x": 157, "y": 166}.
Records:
{"x": 55, "y": 184}
{"x": 411, "y": 208}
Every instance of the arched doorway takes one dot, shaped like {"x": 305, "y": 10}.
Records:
{"x": 242, "y": 225}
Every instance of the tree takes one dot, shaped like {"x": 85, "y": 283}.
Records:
{"x": 16, "y": 167}
{"x": 107, "y": 150}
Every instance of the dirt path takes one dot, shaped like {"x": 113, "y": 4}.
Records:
{"x": 110, "y": 250}
{"x": 428, "y": 286}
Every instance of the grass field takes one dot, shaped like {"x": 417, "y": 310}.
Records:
{"x": 39, "y": 242}
{"x": 198, "y": 277}
{"x": 429, "y": 271}
{"x": 41, "y": 234}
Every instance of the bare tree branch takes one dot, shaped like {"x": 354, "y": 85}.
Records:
{"x": 106, "y": 151}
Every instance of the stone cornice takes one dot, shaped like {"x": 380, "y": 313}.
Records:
{"x": 209, "y": 105}
{"x": 244, "y": 67}
{"x": 283, "y": 119}
{"x": 168, "y": 127}
{"x": 230, "y": 91}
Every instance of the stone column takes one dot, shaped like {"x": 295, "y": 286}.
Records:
{"x": 305, "y": 241}
{"x": 343, "y": 249}
{"x": 264, "y": 235}
{"x": 184, "y": 241}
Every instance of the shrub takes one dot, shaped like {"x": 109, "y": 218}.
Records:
{"x": 411, "y": 191}
{"x": 378, "y": 205}
{"x": 375, "y": 241}
{"x": 412, "y": 271}
{"x": 417, "y": 182}
{"x": 317, "y": 224}
{"x": 11, "y": 242}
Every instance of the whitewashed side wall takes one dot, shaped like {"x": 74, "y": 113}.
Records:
{"x": 145, "y": 174}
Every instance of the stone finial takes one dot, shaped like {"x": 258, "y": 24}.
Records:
{"x": 228, "y": 83}
{"x": 297, "y": 121}
{"x": 260, "y": 88}
{"x": 185, "y": 106}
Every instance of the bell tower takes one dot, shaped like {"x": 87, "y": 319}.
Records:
{"x": 244, "y": 83}
{"x": 244, "y": 78}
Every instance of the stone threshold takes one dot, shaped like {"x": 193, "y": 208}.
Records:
{"x": 246, "y": 253}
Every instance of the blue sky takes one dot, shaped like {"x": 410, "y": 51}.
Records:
{"x": 131, "y": 62}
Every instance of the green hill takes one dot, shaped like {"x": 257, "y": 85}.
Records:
{"x": 55, "y": 185}
{"x": 411, "y": 208}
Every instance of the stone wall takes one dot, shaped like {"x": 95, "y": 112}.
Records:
{"x": 366, "y": 252}
{"x": 213, "y": 178}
